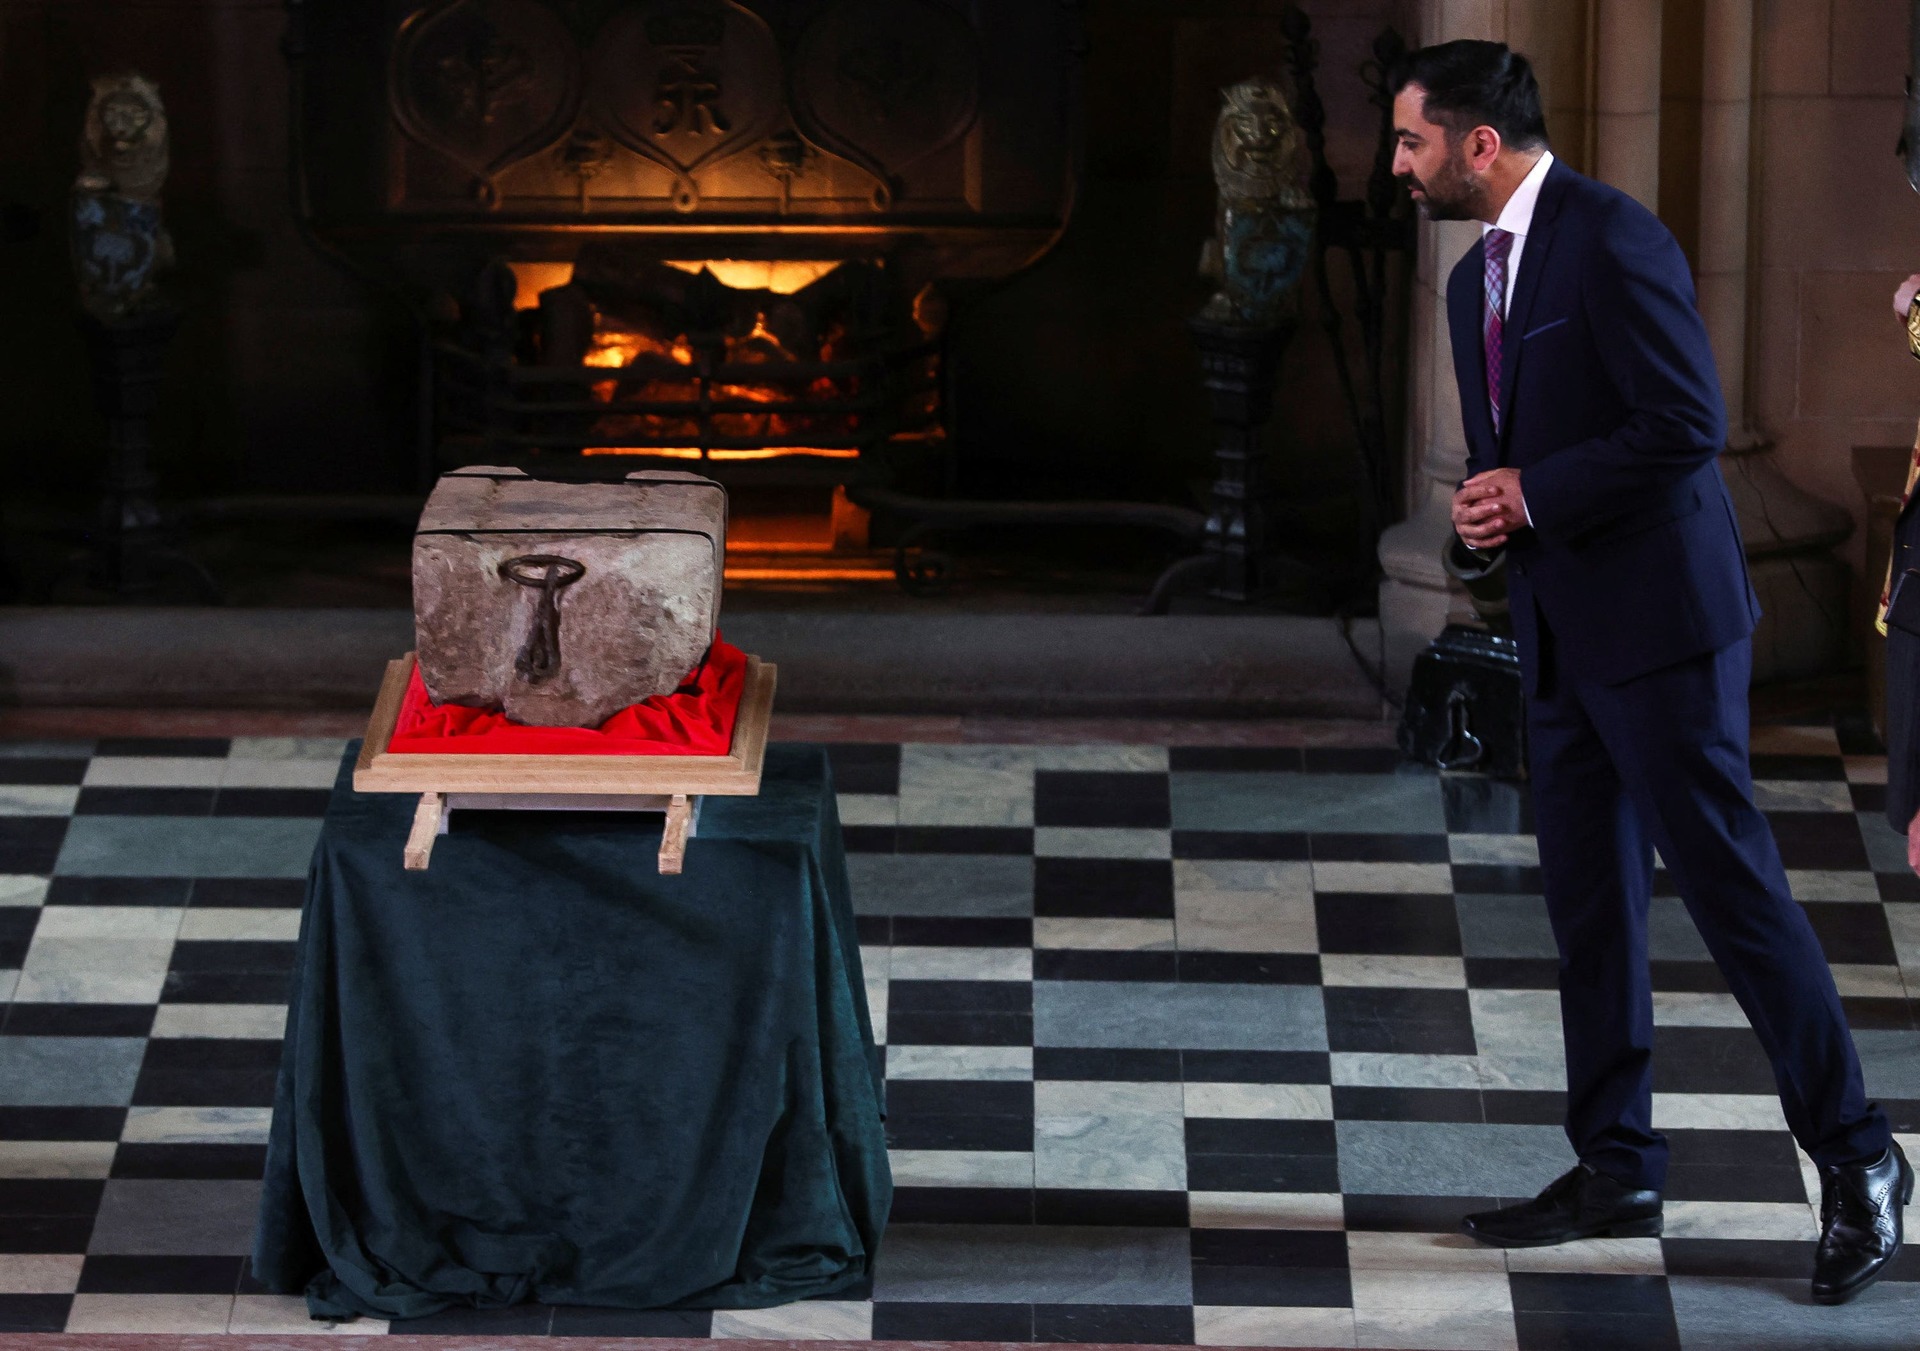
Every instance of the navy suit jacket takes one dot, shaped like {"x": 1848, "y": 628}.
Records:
{"x": 1611, "y": 410}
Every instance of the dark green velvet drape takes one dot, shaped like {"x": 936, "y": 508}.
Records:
{"x": 542, "y": 1071}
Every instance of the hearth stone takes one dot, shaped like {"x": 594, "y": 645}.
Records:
{"x": 562, "y": 603}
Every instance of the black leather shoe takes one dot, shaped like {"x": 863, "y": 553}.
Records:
{"x": 1860, "y": 1224}
{"x": 1585, "y": 1203}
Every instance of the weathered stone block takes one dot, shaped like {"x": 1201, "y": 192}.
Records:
{"x": 562, "y": 603}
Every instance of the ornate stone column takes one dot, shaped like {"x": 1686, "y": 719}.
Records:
{"x": 1788, "y": 533}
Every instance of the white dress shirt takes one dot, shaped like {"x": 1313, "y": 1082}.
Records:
{"x": 1516, "y": 218}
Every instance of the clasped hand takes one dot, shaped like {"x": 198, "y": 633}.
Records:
{"x": 1488, "y": 508}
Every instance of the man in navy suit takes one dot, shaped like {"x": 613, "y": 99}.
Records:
{"x": 1593, "y": 419}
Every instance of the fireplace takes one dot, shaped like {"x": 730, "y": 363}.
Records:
{"x": 710, "y": 234}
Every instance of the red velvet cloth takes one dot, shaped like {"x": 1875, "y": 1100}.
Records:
{"x": 696, "y": 719}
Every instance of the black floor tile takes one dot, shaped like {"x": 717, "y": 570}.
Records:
{"x": 1320, "y": 1287}
{"x": 1234, "y": 1135}
{"x": 145, "y": 802}
{"x": 947, "y": 1028}
{"x": 963, "y": 840}
{"x": 165, "y": 891}
{"x": 1269, "y": 1248}
{"x": 1901, "y": 888}
{"x": 1140, "y": 1209}
{"x": 961, "y": 1205}
{"x": 1120, "y": 888}
{"x": 1399, "y": 1021}
{"x": 52, "y": 771}
{"x": 226, "y": 987}
{"x": 1546, "y": 1330}
{"x": 1412, "y": 1214}
{"x": 1737, "y": 1258}
{"x": 1249, "y": 968}
{"x": 1734, "y": 1182}
{"x": 518, "y": 1320}
{"x": 1513, "y": 973}
{"x": 1399, "y": 925}
{"x": 17, "y": 923}
{"x": 34, "y": 1313}
{"x": 194, "y": 1072}
{"x": 1263, "y": 1173}
{"x": 956, "y": 1097}
{"x": 1106, "y": 1065}
{"x": 870, "y": 839}
{"x": 1710, "y": 1060}
{"x": 1497, "y": 879}
{"x": 1854, "y": 729}
{"x": 572, "y": 1321}
{"x": 244, "y": 1162}
{"x": 1688, "y": 977}
{"x": 230, "y": 956}
{"x": 78, "y": 1020}
{"x": 873, "y": 930}
{"x": 1150, "y": 1324}
{"x": 1514, "y": 1107}
{"x": 46, "y": 1233}
{"x": 1244, "y": 759}
{"x": 1256, "y": 1067}
{"x": 1082, "y": 798}
{"x": 250, "y": 893}
{"x": 1360, "y": 847}
{"x": 952, "y": 1322}
{"x": 49, "y": 1197}
{"x": 860, "y": 767}
{"x": 913, "y": 1131}
{"x": 961, "y": 931}
{"x": 61, "y": 1123}
{"x": 213, "y": 746}
{"x": 1886, "y": 1015}
{"x": 1354, "y": 760}
{"x": 30, "y": 844}
{"x": 117, "y": 1274}
{"x": 959, "y": 996}
{"x": 1819, "y": 839}
{"x": 1101, "y": 964}
{"x": 1406, "y": 1104}
{"x": 1868, "y": 797}
{"x": 1851, "y": 933}
{"x": 271, "y": 802}
{"x": 1260, "y": 846}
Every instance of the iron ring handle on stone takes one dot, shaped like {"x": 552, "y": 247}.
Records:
{"x": 539, "y": 656}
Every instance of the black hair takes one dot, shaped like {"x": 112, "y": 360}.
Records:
{"x": 1472, "y": 84}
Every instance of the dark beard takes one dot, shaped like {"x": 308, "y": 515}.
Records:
{"x": 1453, "y": 194}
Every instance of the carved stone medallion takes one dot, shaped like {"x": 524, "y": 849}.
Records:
{"x": 686, "y": 83}
{"x": 487, "y": 83}
{"x": 886, "y": 82}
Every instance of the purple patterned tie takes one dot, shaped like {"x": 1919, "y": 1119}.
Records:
{"x": 1498, "y": 244}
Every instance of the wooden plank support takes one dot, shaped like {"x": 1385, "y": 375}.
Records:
{"x": 426, "y": 827}
{"x": 673, "y": 837}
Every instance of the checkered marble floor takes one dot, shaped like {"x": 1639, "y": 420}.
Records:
{"x": 1183, "y": 1045}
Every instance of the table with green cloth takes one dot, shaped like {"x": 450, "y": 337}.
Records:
{"x": 540, "y": 1070}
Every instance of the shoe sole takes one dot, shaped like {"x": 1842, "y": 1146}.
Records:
{"x": 1649, "y": 1228}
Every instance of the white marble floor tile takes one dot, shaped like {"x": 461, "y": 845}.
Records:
{"x": 1104, "y": 935}
{"x": 1717, "y": 1111}
{"x": 1101, "y": 842}
{"x": 246, "y": 1022}
{"x": 960, "y": 1168}
{"x": 1801, "y": 795}
{"x": 284, "y": 1315}
{"x": 196, "y": 1125}
{"x": 966, "y": 785}
{"x": 1115, "y": 1137}
{"x": 1869, "y": 982}
{"x": 1117, "y": 758}
{"x": 1421, "y": 1253}
{"x": 325, "y": 750}
{"x": 876, "y": 988}
{"x": 1518, "y": 851}
{"x": 1687, "y": 1008}
{"x": 1772, "y": 1221}
{"x": 1865, "y": 768}
{"x": 868, "y": 809}
{"x": 1244, "y": 921}
{"x": 961, "y": 964}
{"x": 1080, "y": 1097}
{"x": 1809, "y": 884}
{"x": 40, "y": 1273}
{"x": 1381, "y": 1069}
{"x": 1434, "y": 1329}
{"x": 9, "y": 982}
{"x": 155, "y": 771}
{"x": 241, "y": 924}
{"x": 1001, "y": 1063}
{"x": 56, "y": 1158}
{"x": 150, "y": 1313}
{"x": 37, "y": 799}
{"x": 1593, "y": 1257}
{"x": 289, "y": 773}
{"x": 1481, "y": 1289}
{"x": 1401, "y": 972}
{"x": 1230, "y": 1325}
{"x": 22, "y": 889}
{"x": 1772, "y": 738}
{"x": 1269, "y": 1102}
{"x": 88, "y": 954}
{"x": 1430, "y": 879}
{"x": 1266, "y": 1210}
{"x": 809, "y": 1320}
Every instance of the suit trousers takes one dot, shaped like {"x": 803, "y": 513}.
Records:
{"x": 1660, "y": 761}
